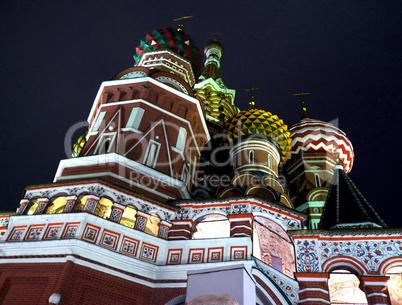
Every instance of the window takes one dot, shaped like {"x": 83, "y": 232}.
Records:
{"x": 128, "y": 217}
{"x": 57, "y": 205}
{"x": 104, "y": 208}
{"x": 135, "y": 118}
{"x": 269, "y": 161}
{"x": 181, "y": 139}
{"x": 105, "y": 143}
{"x": 99, "y": 121}
{"x": 212, "y": 226}
{"x": 151, "y": 154}
{"x": 251, "y": 156}
{"x": 184, "y": 174}
{"x": 152, "y": 226}
{"x": 317, "y": 180}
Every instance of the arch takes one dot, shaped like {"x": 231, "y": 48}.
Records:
{"x": 245, "y": 178}
{"x": 80, "y": 203}
{"x": 390, "y": 263}
{"x": 267, "y": 290}
{"x": 128, "y": 218}
{"x": 317, "y": 194}
{"x": 274, "y": 183}
{"x": 212, "y": 225}
{"x": 394, "y": 284}
{"x": 104, "y": 207}
{"x": 272, "y": 245}
{"x": 153, "y": 223}
{"x": 180, "y": 300}
{"x": 31, "y": 206}
{"x": 343, "y": 287}
{"x": 262, "y": 191}
{"x": 56, "y": 204}
{"x": 344, "y": 262}
{"x": 230, "y": 191}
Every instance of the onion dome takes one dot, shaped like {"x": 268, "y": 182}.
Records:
{"x": 214, "y": 44}
{"x": 311, "y": 135}
{"x": 77, "y": 147}
{"x": 259, "y": 122}
{"x": 172, "y": 39}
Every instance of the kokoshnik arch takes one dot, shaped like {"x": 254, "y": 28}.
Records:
{"x": 176, "y": 196}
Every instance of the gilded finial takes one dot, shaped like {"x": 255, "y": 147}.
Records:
{"x": 303, "y": 105}
{"x": 181, "y": 19}
{"x": 252, "y": 102}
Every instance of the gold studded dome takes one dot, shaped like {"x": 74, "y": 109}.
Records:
{"x": 259, "y": 122}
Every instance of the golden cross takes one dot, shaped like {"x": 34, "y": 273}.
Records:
{"x": 181, "y": 19}
{"x": 252, "y": 102}
{"x": 303, "y": 106}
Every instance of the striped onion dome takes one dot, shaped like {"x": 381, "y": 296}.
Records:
{"x": 172, "y": 39}
{"x": 311, "y": 135}
{"x": 259, "y": 122}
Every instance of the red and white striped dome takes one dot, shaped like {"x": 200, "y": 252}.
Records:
{"x": 314, "y": 136}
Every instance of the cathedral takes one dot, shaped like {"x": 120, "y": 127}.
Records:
{"x": 175, "y": 196}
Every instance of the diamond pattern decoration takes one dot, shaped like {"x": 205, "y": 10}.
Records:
{"x": 70, "y": 230}
{"x": 53, "y": 231}
{"x": 149, "y": 252}
{"x": 17, "y": 233}
{"x": 91, "y": 233}
{"x": 177, "y": 41}
{"x": 238, "y": 253}
{"x": 174, "y": 257}
{"x": 215, "y": 254}
{"x": 196, "y": 256}
{"x": 129, "y": 246}
{"x": 254, "y": 121}
{"x": 35, "y": 232}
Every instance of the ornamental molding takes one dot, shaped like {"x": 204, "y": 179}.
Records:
{"x": 366, "y": 253}
{"x": 101, "y": 190}
{"x": 287, "y": 218}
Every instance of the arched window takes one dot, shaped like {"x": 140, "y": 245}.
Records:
{"x": 212, "y": 226}
{"x": 272, "y": 245}
{"x": 317, "y": 180}
{"x": 152, "y": 226}
{"x": 251, "y": 156}
{"x": 57, "y": 205}
{"x": 269, "y": 161}
{"x": 395, "y": 284}
{"x": 104, "y": 208}
{"x": 128, "y": 217}
{"x": 344, "y": 288}
{"x": 79, "y": 205}
{"x": 33, "y": 205}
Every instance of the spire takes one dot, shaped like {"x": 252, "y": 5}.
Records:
{"x": 181, "y": 24}
{"x": 252, "y": 101}
{"x": 303, "y": 106}
{"x": 213, "y": 51}
{"x": 345, "y": 207}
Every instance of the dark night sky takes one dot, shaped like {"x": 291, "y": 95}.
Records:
{"x": 348, "y": 54}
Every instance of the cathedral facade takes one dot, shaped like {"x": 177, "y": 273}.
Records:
{"x": 176, "y": 196}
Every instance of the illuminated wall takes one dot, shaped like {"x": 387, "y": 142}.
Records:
{"x": 343, "y": 288}
{"x": 272, "y": 245}
{"x": 395, "y": 285}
